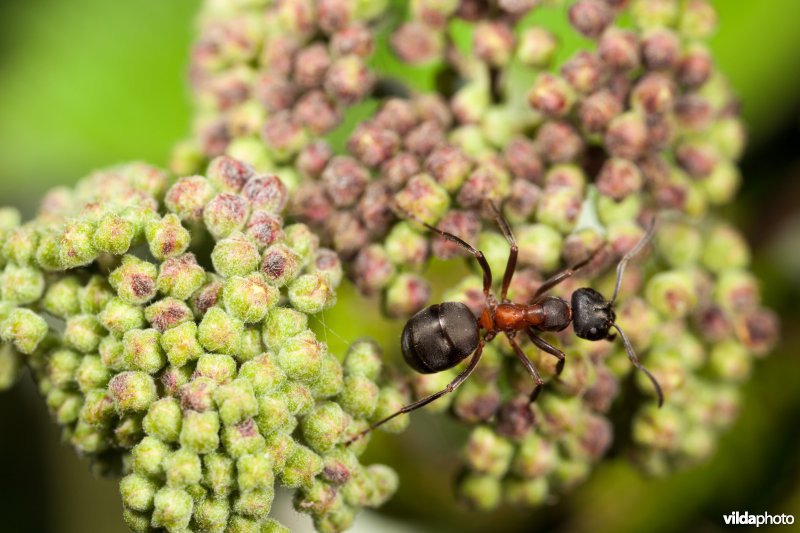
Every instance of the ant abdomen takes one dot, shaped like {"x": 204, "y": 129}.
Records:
{"x": 439, "y": 337}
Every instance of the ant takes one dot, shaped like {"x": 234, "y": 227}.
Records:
{"x": 442, "y": 335}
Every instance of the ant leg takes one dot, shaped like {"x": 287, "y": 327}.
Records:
{"x": 453, "y": 385}
{"x": 545, "y": 346}
{"x": 529, "y": 367}
{"x": 477, "y": 254}
{"x": 511, "y": 264}
{"x": 564, "y": 274}
{"x": 636, "y": 363}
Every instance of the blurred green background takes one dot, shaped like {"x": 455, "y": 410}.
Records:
{"x": 88, "y": 83}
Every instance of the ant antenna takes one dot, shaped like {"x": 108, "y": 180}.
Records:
{"x": 635, "y": 361}
{"x": 631, "y": 253}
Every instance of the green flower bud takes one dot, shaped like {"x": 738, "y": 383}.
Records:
{"x": 138, "y": 522}
{"x": 95, "y": 295}
{"x": 384, "y": 484}
{"x": 236, "y": 402}
{"x": 75, "y": 244}
{"x": 134, "y": 280}
{"x": 526, "y": 492}
{"x": 612, "y": 212}
{"x": 242, "y": 439}
{"x": 254, "y": 472}
{"x": 423, "y": 198}
{"x": 200, "y": 431}
{"x": 24, "y": 329}
{"x": 181, "y": 276}
{"x": 311, "y": 293}
{"x": 363, "y": 358}
{"x": 91, "y": 374}
{"x": 62, "y": 366}
{"x": 660, "y": 429}
{"x": 70, "y": 409}
{"x": 112, "y": 353}
{"x": 680, "y": 243}
{"x": 390, "y": 401}
{"x": 21, "y": 284}
{"x": 273, "y": 415}
{"x": 323, "y": 427}
{"x": 302, "y": 241}
{"x": 297, "y": 396}
{"x": 559, "y": 415}
{"x": 281, "y": 324}
{"x": 114, "y": 234}
{"x": 61, "y": 298}
{"x": 220, "y": 332}
{"x": 137, "y": 492}
{"x": 47, "y": 252}
{"x": 163, "y": 420}
{"x": 725, "y": 248}
{"x": 173, "y": 378}
{"x": 359, "y": 396}
{"x": 405, "y": 245}
{"x": 730, "y": 361}
{"x": 10, "y": 365}
{"x": 132, "y": 391}
{"x": 535, "y": 458}
{"x": 181, "y": 345}
{"x": 182, "y": 468}
{"x": 148, "y": 457}
{"x": 172, "y": 509}
{"x": 251, "y": 345}
{"x": 280, "y": 264}
{"x": 84, "y": 333}
{"x": 211, "y": 514}
{"x": 263, "y": 374}
{"x": 188, "y": 197}
{"x": 280, "y": 446}
{"x": 331, "y": 379}
{"x": 319, "y": 499}
{"x": 488, "y": 453}
{"x": 226, "y": 213}
{"x": 479, "y": 491}
{"x": 166, "y": 237}
{"x": 20, "y": 244}
{"x": 168, "y": 313}
{"x": 218, "y": 474}
{"x": 721, "y": 185}
{"x": 300, "y": 357}
{"x": 248, "y": 299}
{"x": 119, "y": 316}
{"x": 672, "y": 293}
{"x": 219, "y": 367}
{"x": 142, "y": 350}
{"x": 235, "y": 256}
{"x": 569, "y": 473}
{"x": 255, "y": 503}
{"x": 198, "y": 394}
{"x": 301, "y": 467}
{"x": 539, "y": 246}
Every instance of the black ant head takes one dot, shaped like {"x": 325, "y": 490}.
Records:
{"x": 592, "y": 315}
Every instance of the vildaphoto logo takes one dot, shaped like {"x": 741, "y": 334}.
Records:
{"x": 764, "y": 519}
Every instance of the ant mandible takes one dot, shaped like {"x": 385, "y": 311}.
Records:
{"x": 442, "y": 335}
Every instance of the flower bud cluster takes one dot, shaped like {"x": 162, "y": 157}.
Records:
{"x": 166, "y": 324}
{"x": 270, "y": 77}
{"x": 577, "y": 155}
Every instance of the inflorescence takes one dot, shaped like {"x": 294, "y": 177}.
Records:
{"x": 166, "y": 321}
{"x": 576, "y": 148}
{"x": 166, "y": 324}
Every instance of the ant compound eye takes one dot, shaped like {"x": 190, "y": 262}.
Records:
{"x": 593, "y": 331}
